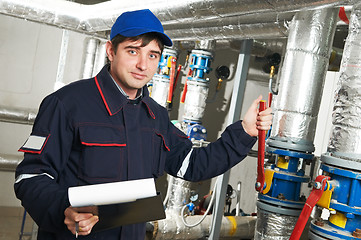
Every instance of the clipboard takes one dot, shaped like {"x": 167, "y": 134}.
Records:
{"x": 139, "y": 211}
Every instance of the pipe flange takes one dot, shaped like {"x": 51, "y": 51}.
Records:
{"x": 288, "y": 144}
{"x": 344, "y": 162}
{"x": 278, "y": 210}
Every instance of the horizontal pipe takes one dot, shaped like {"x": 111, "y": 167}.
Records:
{"x": 232, "y": 227}
{"x": 9, "y": 163}
{"x": 17, "y": 115}
{"x": 97, "y": 19}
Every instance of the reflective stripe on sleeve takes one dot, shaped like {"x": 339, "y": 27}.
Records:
{"x": 26, "y": 176}
{"x": 185, "y": 165}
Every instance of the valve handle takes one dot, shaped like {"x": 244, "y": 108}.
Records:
{"x": 315, "y": 195}
{"x": 184, "y": 93}
{"x": 171, "y": 80}
{"x": 261, "y": 149}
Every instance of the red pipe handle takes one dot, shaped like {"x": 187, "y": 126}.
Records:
{"x": 261, "y": 149}
{"x": 171, "y": 80}
{"x": 310, "y": 203}
{"x": 183, "y": 98}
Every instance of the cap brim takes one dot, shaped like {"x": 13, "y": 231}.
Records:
{"x": 135, "y": 32}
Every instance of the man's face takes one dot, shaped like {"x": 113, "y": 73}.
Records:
{"x": 133, "y": 66}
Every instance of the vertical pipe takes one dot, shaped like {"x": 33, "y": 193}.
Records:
{"x": 295, "y": 117}
{"x": 234, "y": 114}
{"x": 345, "y": 141}
{"x": 59, "y": 82}
{"x": 100, "y": 58}
{"x": 302, "y": 78}
{"x": 90, "y": 52}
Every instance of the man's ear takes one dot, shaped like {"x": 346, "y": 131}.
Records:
{"x": 109, "y": 50}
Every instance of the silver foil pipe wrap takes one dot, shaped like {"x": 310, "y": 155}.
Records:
{"x": 345, "y": 140}
{"x": 17, "y": 115}
{"x": 271, "y": 226}
{"x": 195, "y": 102}
{"x": 238, "y": 227}
{"x": 303, "y": 73}
{"x": 179, "y": 193}
{"x": 160, "y": 89}
{"x": 95, "y": 19}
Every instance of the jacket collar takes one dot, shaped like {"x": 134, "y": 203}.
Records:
{"x": 112, "y": 98}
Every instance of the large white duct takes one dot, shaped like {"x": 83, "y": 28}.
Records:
{"x": 222, "y": 20}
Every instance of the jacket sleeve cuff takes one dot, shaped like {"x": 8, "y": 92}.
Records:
{"x": 237, "y": 129}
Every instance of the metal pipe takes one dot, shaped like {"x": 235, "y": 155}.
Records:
{"x": 17, "y": 115}
{"x": 231, "y": 228}
{"x": 100, "y": 57}
{"x": 302, "y": 77}
{"x": 90, "y": 53}
{"x": 9, "y": 162}
{"x": 296, "y": 109}
{"x": 59, "y": 81}
{"x": 345, "y": 141}
{"x": 225, "y": 20}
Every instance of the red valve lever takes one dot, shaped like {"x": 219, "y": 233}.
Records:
{"x": 171, "y": 80}
{"x": 183, "y": 98}
{"x": 261, "y": 148}
{"x": 310, "y": 203}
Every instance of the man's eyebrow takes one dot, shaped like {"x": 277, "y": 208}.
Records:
{"x": 156, "y": 52}
{"x": 136, "y": 47}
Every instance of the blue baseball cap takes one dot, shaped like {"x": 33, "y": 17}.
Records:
{"x": 134, "y": 23}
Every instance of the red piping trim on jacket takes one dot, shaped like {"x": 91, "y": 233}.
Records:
{"x": 102, "y": 95}
{"x": 163, "y": 141}
{"x": 105, "y": 144}
{"x": 37, "y": 152}
{"x": 149, "y": 110}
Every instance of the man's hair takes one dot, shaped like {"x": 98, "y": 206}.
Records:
{"x": 146, "y": 38}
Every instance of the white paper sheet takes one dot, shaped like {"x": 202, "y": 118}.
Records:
{"x": 111, "y": 193}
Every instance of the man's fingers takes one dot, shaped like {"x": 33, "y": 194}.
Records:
{"x": 86, "y": 226}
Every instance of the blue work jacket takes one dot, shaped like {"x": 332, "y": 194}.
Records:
{"x": 88, "y": 132}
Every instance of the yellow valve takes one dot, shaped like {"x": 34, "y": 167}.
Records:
{"x": 169, "y": 62}
{"x": 326, "y": 197}
{"x": 339, "y": 219}
{"x": 268, "y": 175}
{"x": 282, "y": 162}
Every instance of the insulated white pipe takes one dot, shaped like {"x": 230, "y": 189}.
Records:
{"x": 232, "y": 227}
{"x": 221, "y": 19}
{"x": 17, "y": 115}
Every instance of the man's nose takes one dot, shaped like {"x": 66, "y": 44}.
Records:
{"x": 142, "y": 63}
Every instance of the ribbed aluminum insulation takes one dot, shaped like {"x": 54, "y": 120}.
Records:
{"x": 160, "y": 89}
{"x": 272, "y": 226}
{"x": 345, "y": 140}
{"x": 16, "y": 115}
{"x": 303, "y": 74}
{"x": 97, "y": 18}
{"x": 89, "y": 59}
{"x": 179, "y": 193}
{"x": 240, "y": 227}
{"x": 195, "y": 103}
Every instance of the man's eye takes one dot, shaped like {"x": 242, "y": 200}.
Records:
{"x": 153, "y": 55}
{"x": 132, "y": 52}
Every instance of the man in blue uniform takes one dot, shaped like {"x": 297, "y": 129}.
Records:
{"x": 108, "y": 129}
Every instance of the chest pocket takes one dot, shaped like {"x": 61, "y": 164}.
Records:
{"x": 103, "y": 150}
{"x": 160, "y": 153}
